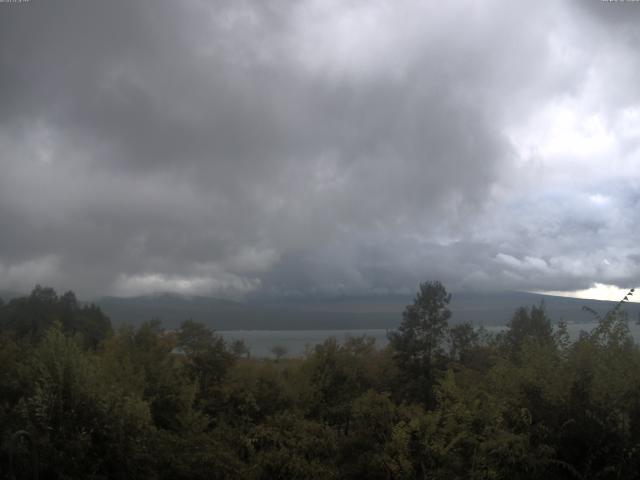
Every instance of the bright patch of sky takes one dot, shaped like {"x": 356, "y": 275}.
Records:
{"x": 599, "y": 291}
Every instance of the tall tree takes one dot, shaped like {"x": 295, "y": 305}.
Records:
{"x": 30, "y": 317}
{"x": 527, "y": 327}
{"x": 463, "y": 340}
{"x": 419, "y": 340}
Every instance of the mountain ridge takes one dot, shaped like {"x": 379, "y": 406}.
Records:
{"x": 340, "y": 313}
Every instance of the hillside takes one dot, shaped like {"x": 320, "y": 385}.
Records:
{"x": 338, "y": 312}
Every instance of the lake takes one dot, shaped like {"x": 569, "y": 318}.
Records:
{"x": 260, "y": 342}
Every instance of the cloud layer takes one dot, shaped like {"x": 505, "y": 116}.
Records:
{"x": 232, "y": 147}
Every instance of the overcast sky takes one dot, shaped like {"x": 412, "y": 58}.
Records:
{"x": 318, "y": 147}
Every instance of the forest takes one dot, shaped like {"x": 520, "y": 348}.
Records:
{"x": 444, "y": 400}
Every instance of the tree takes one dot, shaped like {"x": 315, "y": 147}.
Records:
{"x": 30, "y": 317}
{"x": 82, "y": 418}
{"x": 338, "y": 374}
{"x": 279, "y": 351}
{"x": 206, "y": 357}
{"x": 194, "y": 337}
{"x": 289, "y": 446}
{"x": 463, "y": 339}
{"x": 528, "y": 327}
{"x": 418, "y": 341}
{"x": 240, "y": 348}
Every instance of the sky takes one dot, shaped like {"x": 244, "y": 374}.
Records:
{"x": 238, "y": 148}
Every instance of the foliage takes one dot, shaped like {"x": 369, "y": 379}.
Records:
{"x": 439, "y": 402}
{"x": 279, "y": 351}
{"x": 31, "y": 316}
{"x": 419, "y": 341}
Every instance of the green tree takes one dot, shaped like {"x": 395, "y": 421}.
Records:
{"x": 29, "y": 317}
{"x": 240, "y": 348}
{"x": 279, "y": 351}
{"x": 527, "y": 326}
{"x": 207, "y": 361}
{"x": 418, "y": 342}
{"x": 364, "y": 452}
{"x": 463, "y": 341}
{"x": 337, "y": 375}
{"x": 289, "y": 447}
{"x": 84, "y": 423}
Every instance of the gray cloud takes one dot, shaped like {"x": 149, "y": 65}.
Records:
{"x": 233, "y": 147}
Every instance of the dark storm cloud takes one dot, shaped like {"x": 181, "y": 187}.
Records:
{"x": 228, "y": 147}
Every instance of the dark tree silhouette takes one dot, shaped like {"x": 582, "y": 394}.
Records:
{"x": 418, "y": 342}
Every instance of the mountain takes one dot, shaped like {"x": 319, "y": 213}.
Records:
{"x": 7, "y": 295}
{"x": 229, "y": 315}
{"x": 339, "y": 312}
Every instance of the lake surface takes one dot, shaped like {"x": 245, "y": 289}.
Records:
{"x": 260, "y": 342}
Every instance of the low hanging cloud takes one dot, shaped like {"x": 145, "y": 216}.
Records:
{"x": 224, "y": 283}
{"x": 235, "y": 147}
{"x": 19, "y": 276}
